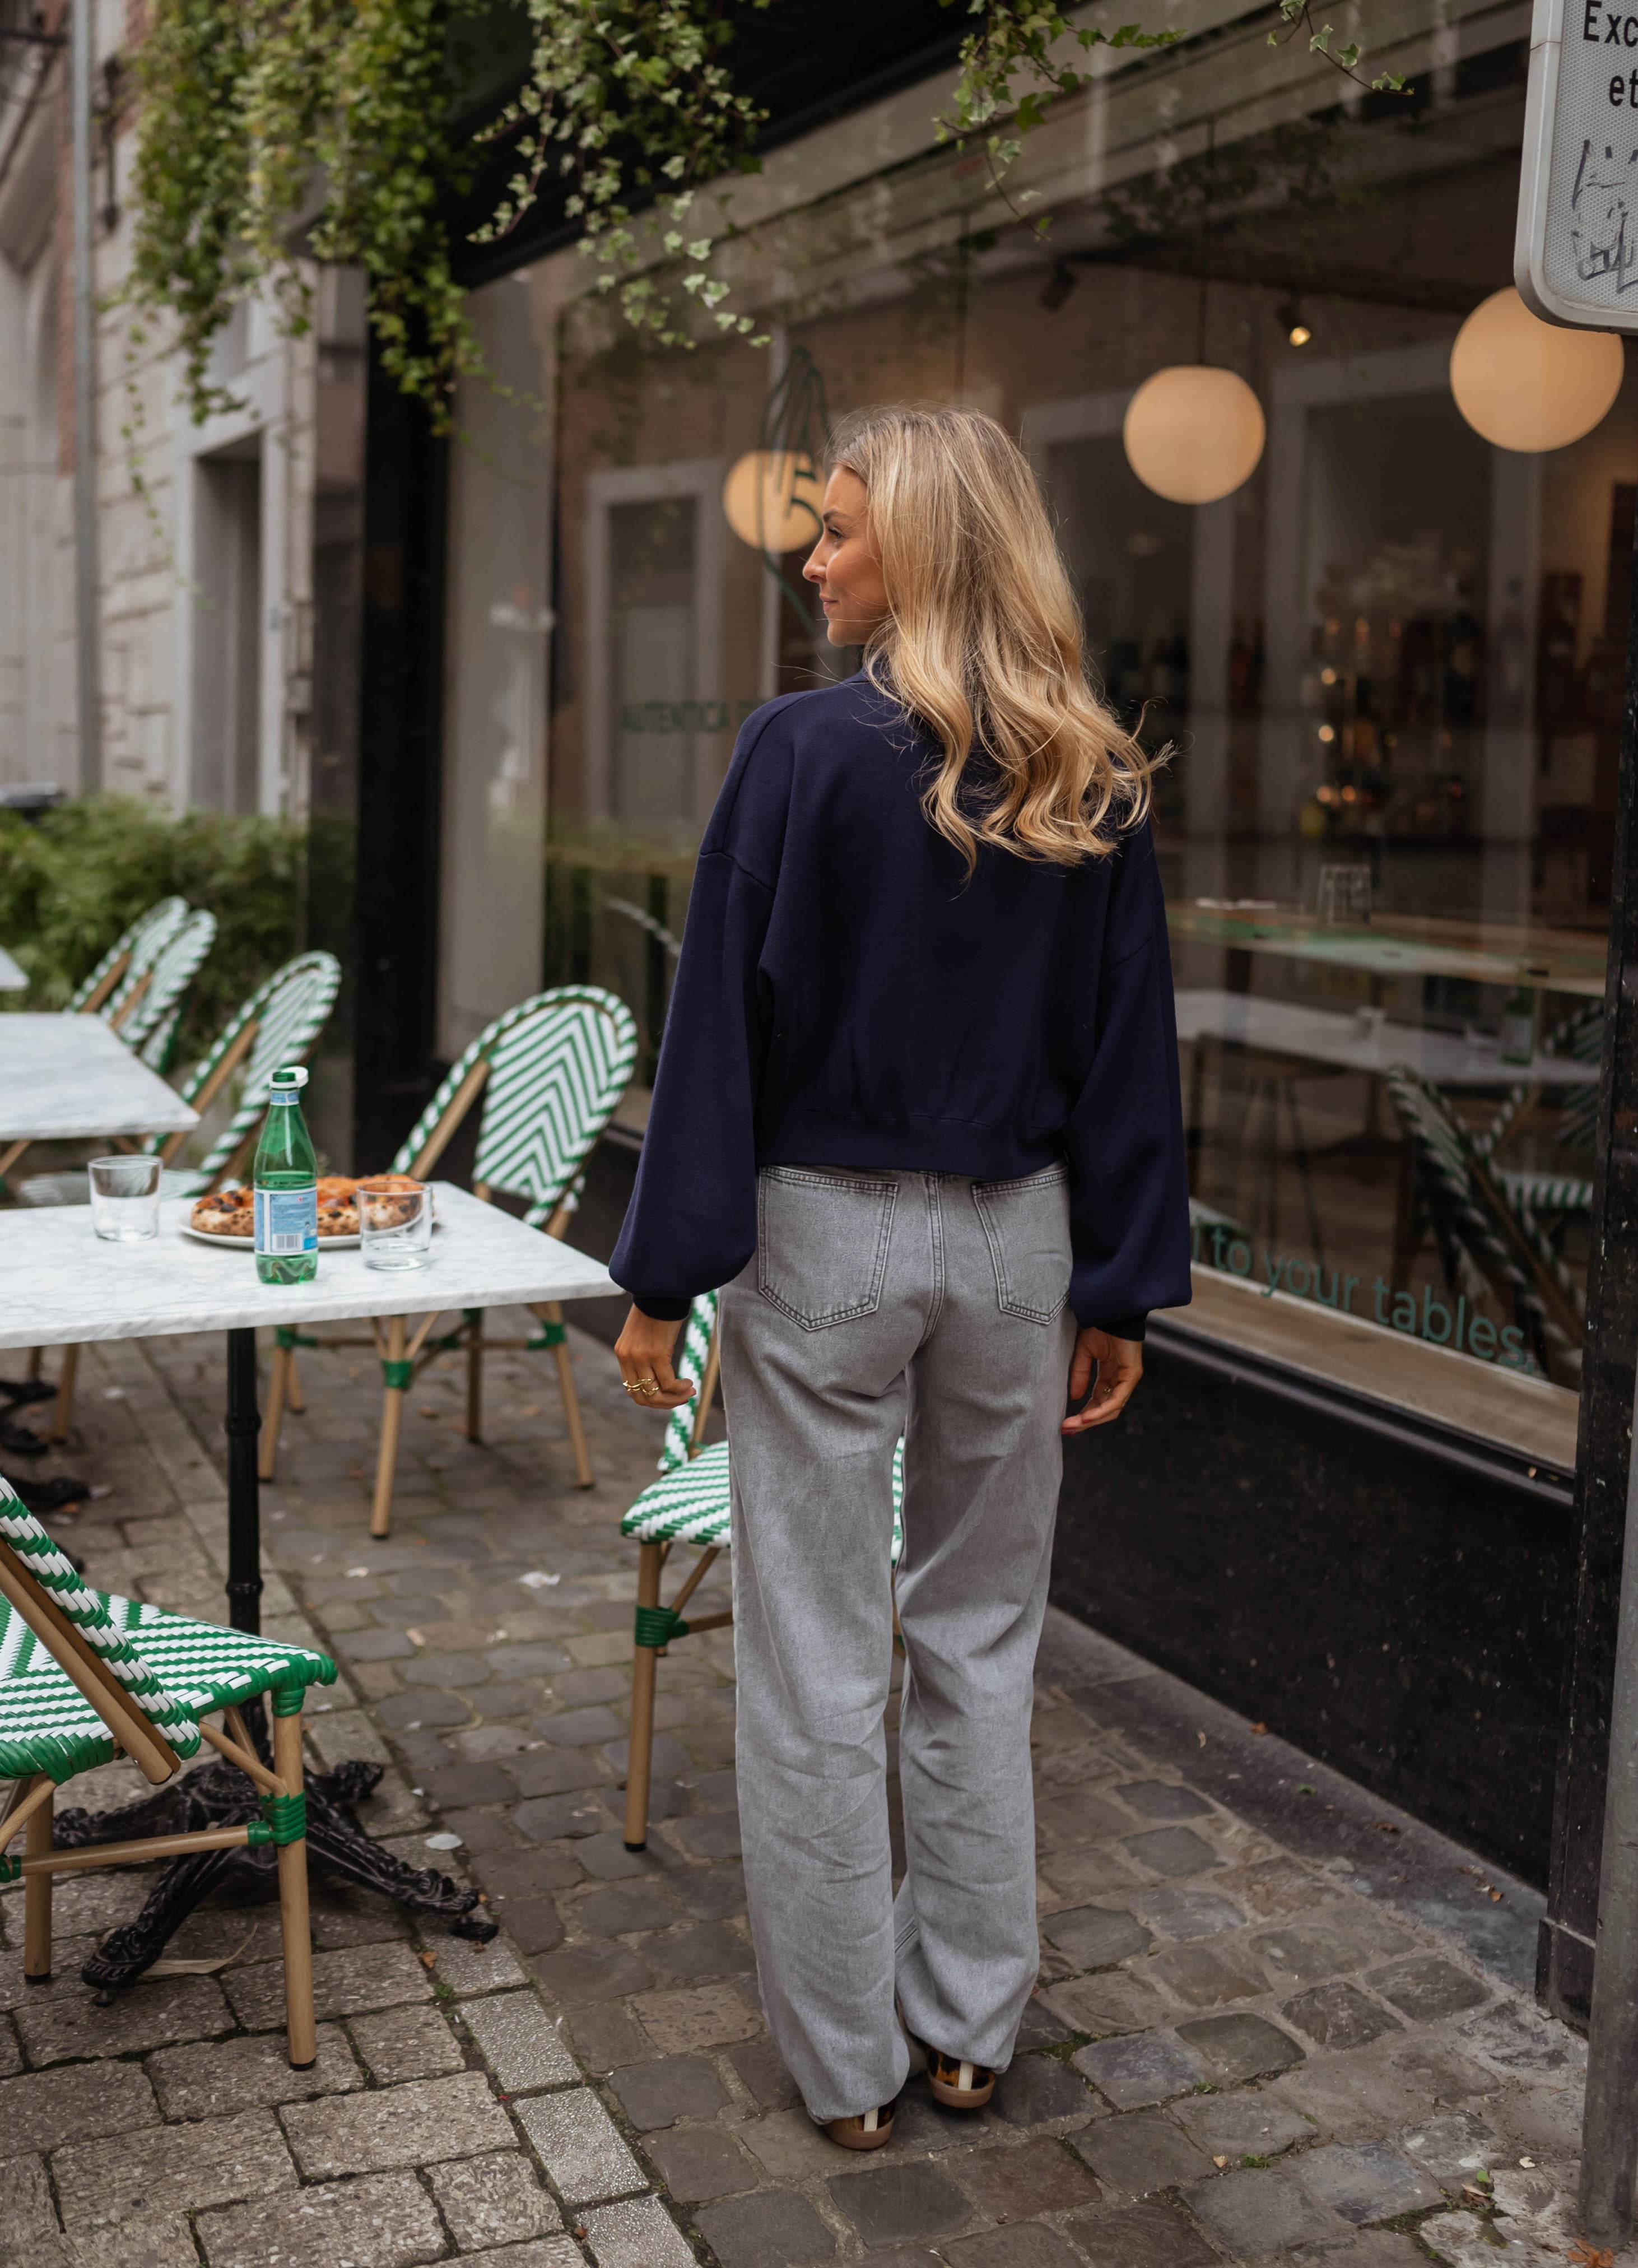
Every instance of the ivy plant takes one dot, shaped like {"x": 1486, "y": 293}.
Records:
{"x": 275, "y": 133}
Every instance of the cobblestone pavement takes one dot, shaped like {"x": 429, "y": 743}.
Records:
{"x": 1274, "y": 2023}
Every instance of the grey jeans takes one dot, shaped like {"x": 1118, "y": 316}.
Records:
{"x": 880, "y": 1304}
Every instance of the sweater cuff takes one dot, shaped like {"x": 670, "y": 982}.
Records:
{"x": 1119, "y": 1326}
{"x": 659, "y": 1310}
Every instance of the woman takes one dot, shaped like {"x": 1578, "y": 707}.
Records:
{"x": 917, "y": 1109}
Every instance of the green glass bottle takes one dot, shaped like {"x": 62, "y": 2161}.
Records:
{"x": 286, "y": 1182}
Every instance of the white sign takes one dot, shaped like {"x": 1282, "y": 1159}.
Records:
{"x": 1575, "y": 257}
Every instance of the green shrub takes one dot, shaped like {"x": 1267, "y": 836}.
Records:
{"x": 71, "y": 881}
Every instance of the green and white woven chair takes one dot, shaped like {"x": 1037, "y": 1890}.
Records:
{"x": 130, "y": 954}
{"x": 1478, "y": 1225}
{"x": 1580, "y": 1038}
{"x": 691, "y": 1502}
{"x": 86, "y": 1676}
{"x": 148, "y": 1007}
{"x": 280, "y": 1023}
{"x": 551, "y": 1071}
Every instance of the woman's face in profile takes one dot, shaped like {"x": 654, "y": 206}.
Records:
{"x": 843, "y": 565}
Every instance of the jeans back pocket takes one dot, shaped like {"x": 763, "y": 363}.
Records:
{"x": 822, "y": 1239}
{"x": 1027, "y": 1223}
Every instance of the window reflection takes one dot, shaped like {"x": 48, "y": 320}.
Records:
{"x": 1393, "y": 657}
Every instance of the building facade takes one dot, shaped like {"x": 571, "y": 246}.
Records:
{"x": 205, "y": 532}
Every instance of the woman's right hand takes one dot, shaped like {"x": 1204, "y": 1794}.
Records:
{"x": 1119, "y": 1364}
{"x": 643, "y": 1352}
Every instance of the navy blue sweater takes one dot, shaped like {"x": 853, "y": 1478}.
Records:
{"x": 847, "y": 998}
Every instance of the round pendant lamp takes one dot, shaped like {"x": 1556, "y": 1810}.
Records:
{"x": 1193, "y": 433}
{"x": 771, "y": 500}
{"x": 1528, "y": 386}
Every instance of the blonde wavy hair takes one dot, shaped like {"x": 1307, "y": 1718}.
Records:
{"x": 982, "y": 641}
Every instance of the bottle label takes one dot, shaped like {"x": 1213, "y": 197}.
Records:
{"x": 286, "y": 1220}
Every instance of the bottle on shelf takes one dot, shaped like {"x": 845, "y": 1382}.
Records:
{"x": 1518, "y": 1026}
{"x": 285, "y": 1178}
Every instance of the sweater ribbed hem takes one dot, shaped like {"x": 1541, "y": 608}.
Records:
{"x": 920, "y": 1145}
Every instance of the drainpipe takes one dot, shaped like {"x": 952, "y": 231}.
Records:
{"x": 87, "y": 626}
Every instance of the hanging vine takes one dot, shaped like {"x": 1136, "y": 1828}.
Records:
{"x": 630, "y": 101}
{"x": 275, "y": 133}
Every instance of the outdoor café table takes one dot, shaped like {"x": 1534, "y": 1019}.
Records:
{"x": 64, "y": 1286}
{"x": 1394, "y": 946}
{"x": 65, "y": 1078}
{"x": 1368, "y": 1043}
{"x": 12, "y": 977}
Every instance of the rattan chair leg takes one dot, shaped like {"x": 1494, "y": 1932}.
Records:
{"x": 295, "y": 1400}
{"x": 63, "y": 1408}
{"x": 293, "y": 1918}
{"x": 34, "y": 1355}
{"x": 644, "y": 1669}
{"x": 553, "y": 1312}
{"x": 273, "y": 1416}
{"x": 37, "y": 1897}
{"x": 474, "y": 1377}
{"x": 392, "y": 1423}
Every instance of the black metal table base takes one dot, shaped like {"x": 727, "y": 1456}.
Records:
{"x": 218, "y": 1794}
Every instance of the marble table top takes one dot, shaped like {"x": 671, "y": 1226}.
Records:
{"x": 1365, "y": 1043}
{"x": 68, "y": 1078}
{"x": 12, "y": 977}
{"x": 63, "y": 1285}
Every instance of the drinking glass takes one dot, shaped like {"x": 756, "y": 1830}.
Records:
{"x": 1345, "y": 896}
{"x": 125, "y": 1199}
{"x": 395, "y": 1224}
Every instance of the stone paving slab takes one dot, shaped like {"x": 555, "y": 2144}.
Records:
{"x": 580, "y": 2145}
{"x": 382, "y": 2221}
{"x": 413, "y": 2124}
{"x": 488, "y": 2201}
{"x": 1232, "y": 2055}
{"x": 181, "y": 2168}
{"x": 519, "y": 2042}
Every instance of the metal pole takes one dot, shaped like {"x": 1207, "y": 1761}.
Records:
{"x": 86, "y": 626}
{"x": 1609, "y": 2145}
{"x": 241, "y": 1424}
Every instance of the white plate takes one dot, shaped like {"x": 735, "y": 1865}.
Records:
{"x": 248, "y": 1243}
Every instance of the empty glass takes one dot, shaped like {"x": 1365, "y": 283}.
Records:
{"x": 1345, "y": 895}
{"x": 125, "y": 1199}
{"x": 395, "y": 1223}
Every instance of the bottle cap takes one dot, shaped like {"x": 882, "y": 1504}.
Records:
{"x": 293, "y": 1075}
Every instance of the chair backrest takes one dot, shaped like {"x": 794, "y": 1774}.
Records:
{"x": 288, "y": 1013}
{"x": 150, "y": 1009}
{"x": 692, "y": 1363}
{"x": 1580, "y": 1037}
{"x": 41, "y": 1562}
{"x": 552, "y": 1071}
{"x": 136, "y": 945}
{"x": 1473, "y": 1212}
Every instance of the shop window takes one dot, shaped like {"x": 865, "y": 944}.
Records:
{"x": 1384, "y": 659}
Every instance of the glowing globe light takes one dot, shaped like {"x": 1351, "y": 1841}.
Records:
{"x": 1193, "y": 433}
{"x": 771, "y": 500}
{"x": 1525, "y": 384}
